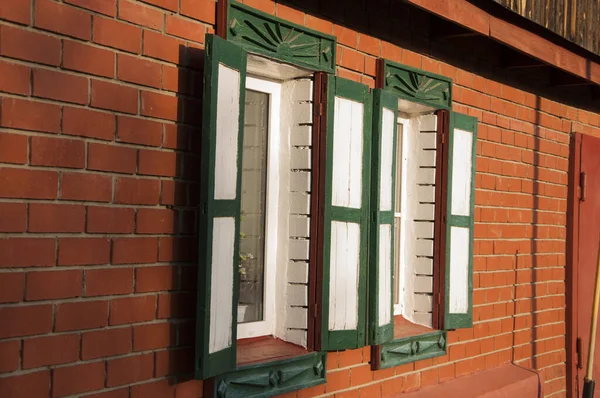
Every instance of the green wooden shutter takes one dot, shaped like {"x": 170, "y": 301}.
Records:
{"x": 460, "y": 221}
{"x": 381, "y": 241}
{"x": 346, "y": 212}
{"x": 222, "y": 137}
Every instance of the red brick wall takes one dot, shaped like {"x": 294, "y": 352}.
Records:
{"x": 99, "y": 143}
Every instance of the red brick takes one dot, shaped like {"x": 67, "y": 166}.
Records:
{"x": 14, "y": 78}
{"x": 351, "y": 59}
{"x": 114, "y": 158}
{"x": 134, "y": 250}
{"x": 138, "y": 70}
{"x": 203, "y": 10}
{"x": 18, "y": 11}
{"x": 154, "y": 279}
{"x": 29, "y": 46}
{"x": 88, "y": 59}
{"x": 81, "y": 315}
{"x": 120, "y": 393}
{"x": 30, "y": 115}
{"x": 176, "y": 305}
{"x": 129, "y": 370}
{"x": 153, "y": 336}
{"x": 77, "y": 379}
{"x": 157, "y": 45}
{"x": 50, "y": 285}
{"x": 11, "y": 288}
{"x": 88, "y": 123}
{"x": 83, "y": 251}
{"x": 185, "y": 29}
{"x": 44, "y": 217}
{"x": 25, "y": 321}
{"x": 139, "y": 131}
{"x": 27, "y": 252}
{"x": 137, "y": 191}
{"x": 132, "y": 310}
{"x": 194, "y": 389}
{"x": 107, "y": 7}
{"x": 9, "y": 355}
{"x": 158, "y": 389}
{"x": 156, "y": 221}
{"x": 31, "y": 385}
{"x": 14, "y": 149}
{"x": 104, "y": 282}
{"x": 158, "y": 163}
{"x": 86, "y": 187}
{"x": 174, "y": 362}
{"x": 114, "y": 97}
{"x": 117, "y": 34}
{"x": 50, "y": 151}
{"x": 159, "y": 105}
{"x": 59, "y": 18}
{"x": 141, "y": 15}
{"x": 168, "y": 4}
{"x": 50, "y": 350}
{"x": 173, "y": 193}
{"x": 105, "y": 343}
{"x": 113, "y": 220}
{"x": 177, "y": 249}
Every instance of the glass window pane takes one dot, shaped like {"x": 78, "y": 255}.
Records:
{"x": 253, "y": 203}
{"x": 398, "y": 210}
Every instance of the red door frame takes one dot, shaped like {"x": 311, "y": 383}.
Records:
{"x": 572, "y": 257}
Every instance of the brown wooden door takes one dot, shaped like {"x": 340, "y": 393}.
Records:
{"x": 589, "y": 236}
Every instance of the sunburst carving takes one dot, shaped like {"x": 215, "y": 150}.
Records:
{"x": 274, "y": 37}
{"x": 420, "y": 86}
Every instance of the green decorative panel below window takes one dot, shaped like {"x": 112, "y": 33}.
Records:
{"x": 265, "y": 34}
{"x": 417, "y": 85}
{"x": 412, "y": 349}
{"x": 272, "y": 378}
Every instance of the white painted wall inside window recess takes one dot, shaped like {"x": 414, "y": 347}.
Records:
{"x": 417, "y": 211}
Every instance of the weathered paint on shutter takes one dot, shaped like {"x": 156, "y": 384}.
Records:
{"x": 346, "y": 212}
{"x": 460, "y": 221}
{"x": 222, "y": 133}
{"x": 381, "y": 239}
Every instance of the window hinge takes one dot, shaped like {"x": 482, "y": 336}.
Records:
{"x": 315, "y": 310}
{"x": 582, "y": 191}
{"x": 438, "y": 299}
{"x": 321, "y": 109}
{"x": 578, "y": 350}
{"x": 443, "y": 138}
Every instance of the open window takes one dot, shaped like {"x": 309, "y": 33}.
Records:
{"x": 421, "y": 251}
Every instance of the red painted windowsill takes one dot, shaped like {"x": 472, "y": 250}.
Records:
{"x": 405, "y": 328}
{"x": 265, "y": 349}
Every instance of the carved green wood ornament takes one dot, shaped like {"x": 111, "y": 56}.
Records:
{"x": 412, "y": 349}
{"x": 265, "y": 34}
{"x": 417, "y": 85}
{"x": 272, "y": 378}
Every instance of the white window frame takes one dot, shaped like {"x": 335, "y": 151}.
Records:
{"x": 405, "y": 123}
{"x": 267, "y": 325}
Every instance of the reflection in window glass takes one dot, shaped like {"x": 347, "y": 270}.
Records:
{"x": 253, "y": 201}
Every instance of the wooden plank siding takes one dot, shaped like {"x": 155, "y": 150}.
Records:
{"x": 575, "y": 20}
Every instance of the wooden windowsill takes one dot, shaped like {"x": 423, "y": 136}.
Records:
{"x": 405, "y": 328}
{"x": 266, "y": 349}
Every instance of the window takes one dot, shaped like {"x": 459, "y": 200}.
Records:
{"x": 332, "y": 216}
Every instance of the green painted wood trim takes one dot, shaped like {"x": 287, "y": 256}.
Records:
{"x": 273, "y": 378}
{"x": 413, "y": 349}
{"x": 218, "y": 51}
{"x": 274, "y": 37}
{"x": 384, "y": 333}
{"x": 346, "y": 339}
{"x": 468, "y": 123}
{"x": 417, "y": 85}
